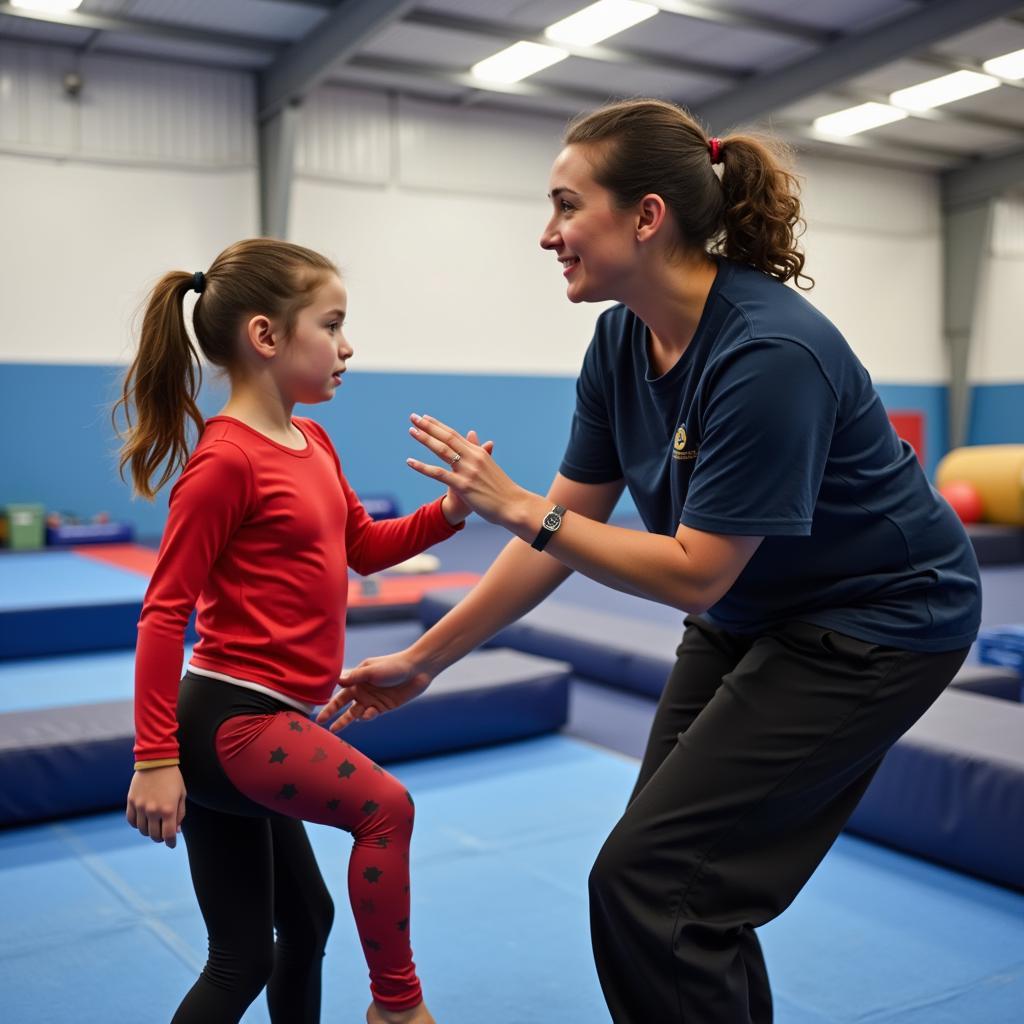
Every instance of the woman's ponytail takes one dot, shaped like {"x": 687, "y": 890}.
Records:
{"x": 761, "y": 217}
{"x": 750, "y": 214}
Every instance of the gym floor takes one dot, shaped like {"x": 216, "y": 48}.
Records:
{"x": 101, "y": 925}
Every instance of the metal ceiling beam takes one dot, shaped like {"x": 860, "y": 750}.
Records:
{"x": 850, "y": 56}
{"x": 977, "y": 182}
{"x": 573, "y": 98}
{"x": 506, "y": 32}
{"x": 735, "y": 17}
{"x": 284, "y": 85}
{"x": 148, "y": 29}
{"x": 329, "y": 43}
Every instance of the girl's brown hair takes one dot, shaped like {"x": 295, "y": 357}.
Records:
{"x": 158, "y": 400}
{"x": 752, "y": 215}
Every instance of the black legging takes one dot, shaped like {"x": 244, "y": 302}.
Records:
{"x": 254, "y": 874}
{"x": 234, "y": 861}
{"x": 253, "y": 768}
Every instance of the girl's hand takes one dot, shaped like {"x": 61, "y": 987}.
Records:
{"x": 470, "y": 472}
{"x": 375, "y": 686}
{"x": 454, "y": 508}
{"x": 156, "y": 803}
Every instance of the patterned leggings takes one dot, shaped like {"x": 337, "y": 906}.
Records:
{"x": 254, "y": 770}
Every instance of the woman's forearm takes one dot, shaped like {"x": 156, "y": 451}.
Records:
{"x": 518, "y": 580}
{"x": 647, "y": 565}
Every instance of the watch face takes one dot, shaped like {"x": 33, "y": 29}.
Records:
{"x": 552, "y": 521}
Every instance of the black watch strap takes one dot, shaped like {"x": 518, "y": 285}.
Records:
{"x": 552, "y": 521}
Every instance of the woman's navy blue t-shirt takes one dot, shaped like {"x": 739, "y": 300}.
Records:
{"x": 768, "y": 425}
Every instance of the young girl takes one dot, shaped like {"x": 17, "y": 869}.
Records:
{"x": 261, "y": 531}
{"x": 832, "y": 593}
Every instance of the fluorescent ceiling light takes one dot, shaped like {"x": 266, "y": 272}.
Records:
{"x": 51, "y": 6}
{"x": 599, "y": 21}
{"x": 937, "y": 91}
{"x": 1010, "y": 65}
{"x": 858, "y": 119}
{"x": 517, "y": 61}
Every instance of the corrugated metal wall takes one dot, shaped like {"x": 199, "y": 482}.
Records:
{"x": 129, "y": 110}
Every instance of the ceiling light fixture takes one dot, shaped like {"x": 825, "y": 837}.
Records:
{"x": 599, "y": 21}
{"x": 50, "y": 6}
{"x": 945, "y": 89}
{"x": 517, "y": 61}
{"x": 857, "y": 119}
{"x": 1009, "y": 65}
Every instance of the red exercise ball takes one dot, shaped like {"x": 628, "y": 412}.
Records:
{"x": 965, "y": 500}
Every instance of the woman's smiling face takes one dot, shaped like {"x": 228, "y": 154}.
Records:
{"x": 593, "y": 239}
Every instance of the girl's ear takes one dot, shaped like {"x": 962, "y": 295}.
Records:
{"x": 260, "y": 335}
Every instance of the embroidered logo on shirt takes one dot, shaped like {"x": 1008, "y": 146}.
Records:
{"x": 679, "y": 445}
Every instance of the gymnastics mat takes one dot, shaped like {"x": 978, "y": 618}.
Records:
{"x": 61, "y": 760}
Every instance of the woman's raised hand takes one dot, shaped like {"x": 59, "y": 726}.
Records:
{"x": 470, "y": 473}
{"x": 374, "y": 686}
{"x": 455, "y": 509}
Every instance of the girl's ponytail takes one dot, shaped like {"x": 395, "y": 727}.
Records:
{"x": 158, "y": 399}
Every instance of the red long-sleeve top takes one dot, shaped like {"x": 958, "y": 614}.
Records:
{"x": 259, "y": 539}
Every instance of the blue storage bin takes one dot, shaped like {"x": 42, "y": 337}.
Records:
{"x": 1004, "y": 646}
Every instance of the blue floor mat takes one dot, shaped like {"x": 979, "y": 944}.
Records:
{"x": 101, "y": 925}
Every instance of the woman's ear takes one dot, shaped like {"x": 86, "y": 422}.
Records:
{"x": 260, "y": 335}
{"x": 650, "y": 217}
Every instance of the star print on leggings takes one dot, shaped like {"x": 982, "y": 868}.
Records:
{"x": 295, "y": 726}
{"x": 278, "y": 756}
{"x": 403, "y": 924}
{"x": 369, "y": 807}
{"x": 320, "y": 755}
{"x": 382, "y": 842}
{"x": 287, "y": 791}
{"x": 332, "y": 805}
{"x": 372, "y": 875}
{"x": 345, "y": 769}
{"x": 408, "y": 797}
{"x": 370, "y": 944}
{"x": 368, "y": 906}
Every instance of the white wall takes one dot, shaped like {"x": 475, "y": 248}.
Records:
{"x": 433, "y": 212}
{"x": 997, "y": 354}
{"x": 874, "y": 247}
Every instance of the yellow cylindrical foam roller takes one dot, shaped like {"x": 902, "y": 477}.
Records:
{"x": 996, "y": 471}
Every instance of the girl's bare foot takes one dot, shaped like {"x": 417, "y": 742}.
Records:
{"x": 417, "y": 1015}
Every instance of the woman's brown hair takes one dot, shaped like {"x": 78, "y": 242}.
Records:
{"x": 751, "y": 215}
{"x": 158, "y": 400}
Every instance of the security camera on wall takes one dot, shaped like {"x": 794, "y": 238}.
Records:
{"x": 72, "y": 84}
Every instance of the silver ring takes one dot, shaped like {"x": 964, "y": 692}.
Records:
{"x": 455, "y": 458}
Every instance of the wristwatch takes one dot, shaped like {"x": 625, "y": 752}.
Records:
{"x": 552, "y": 521}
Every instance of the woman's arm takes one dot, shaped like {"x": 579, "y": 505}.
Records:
{"x": 690, "y": 571}
{"x": 518, "y": 580}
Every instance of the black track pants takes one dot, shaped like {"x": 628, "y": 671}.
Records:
{"x": 759, "y": 752}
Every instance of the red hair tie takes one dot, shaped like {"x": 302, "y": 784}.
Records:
{"x": 715, "y": 145}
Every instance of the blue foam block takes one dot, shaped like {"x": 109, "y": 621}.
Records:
{"x": 65, "y": 760}
{"x": 631, "y": 654}
{"x": 623, "y": 652}
{"x": 952, "y": 789}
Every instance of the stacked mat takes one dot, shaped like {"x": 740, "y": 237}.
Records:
{"x": 66, "y": 722}
{"x": 952, "y": 789}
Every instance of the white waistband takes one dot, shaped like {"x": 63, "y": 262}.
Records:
{"x": 258, "y": 687}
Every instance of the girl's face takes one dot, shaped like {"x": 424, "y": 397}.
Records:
{"x": 594, "y": 240}
{"x": 311, "y": 362}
